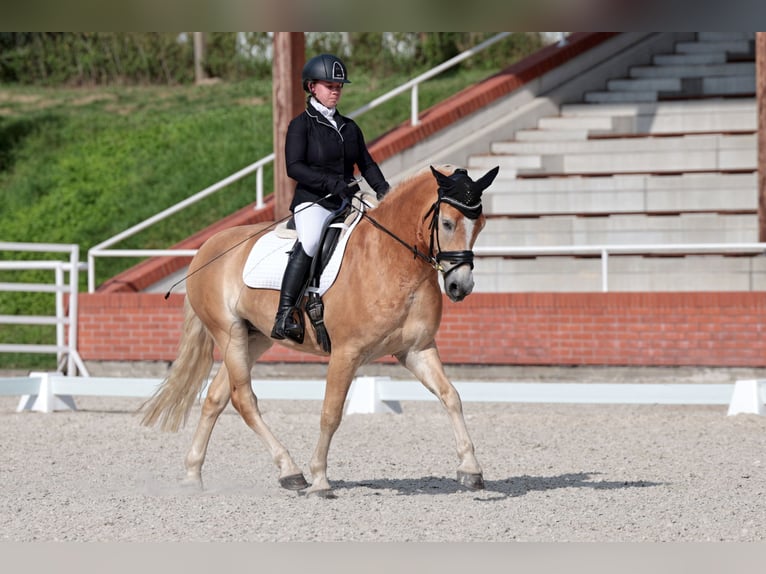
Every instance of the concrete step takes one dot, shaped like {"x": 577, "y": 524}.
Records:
{"x": 653, "y": 89}
{"x": 689, "y": 59}
{"x": 507, "y": 164}
{"x": 625, "y": 273}
{"x": 725, "y": 36}
{"x": 734, "y": 155}
{"x": 717, "y": 85}
{"x": 631, "y": 145}
{"x": 681, "y": 183}
{"x": 726, "y": 46}
{"x": 689, "y": 88}
{"x": 617, "y": 97}
{"x": 621, "y": 229}
{"x": 722, "y": 106}
{"x": 644, "y": 85}
{"x": 736, "y": 114}
{"x": 693, "y": 71}
{"x": 594, "y": 124}
{"x": 626, "y": 193}
{"x": 647, "y": 162}
{"x": 551, "y": 135}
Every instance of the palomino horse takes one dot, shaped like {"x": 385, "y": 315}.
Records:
{"x": 384, "y": 302}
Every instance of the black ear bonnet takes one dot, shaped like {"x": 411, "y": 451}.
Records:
{"x": 461, "y": 192}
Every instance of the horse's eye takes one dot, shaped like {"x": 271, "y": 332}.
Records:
{"x": 448, "y": 225}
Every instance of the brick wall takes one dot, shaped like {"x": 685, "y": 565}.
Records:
{"x": 704, "y": 329}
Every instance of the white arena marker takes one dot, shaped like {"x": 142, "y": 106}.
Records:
{"x": 45, "y": 401}
{"x": 364, "y": 397}
{"x": 748, "y": 398}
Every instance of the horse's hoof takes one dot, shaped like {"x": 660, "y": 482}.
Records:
{"x": 293, "y": 482}
{"x": 472, "y": 481}
{"x": 325, "y": 493}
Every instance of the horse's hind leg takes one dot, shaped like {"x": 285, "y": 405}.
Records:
{"x": 242, "y": 349}
{"x": 217, "y": 398}
{"x": 427, "y": 367}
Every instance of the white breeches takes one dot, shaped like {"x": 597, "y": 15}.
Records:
{"x": 309, "y": 220}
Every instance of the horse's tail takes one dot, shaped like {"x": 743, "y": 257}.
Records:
{"x": 173, "y": 400}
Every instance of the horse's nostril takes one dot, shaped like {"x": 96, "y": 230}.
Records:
{"x": 455, "y": 292}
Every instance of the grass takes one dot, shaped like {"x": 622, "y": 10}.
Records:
{"x": 79, "y": 165}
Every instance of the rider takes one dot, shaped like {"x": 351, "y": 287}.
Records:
{"x": 321, "y": 149}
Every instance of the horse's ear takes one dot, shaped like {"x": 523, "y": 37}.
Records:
{"x": 486, "y": 180}
{"x": 441, "y": 179}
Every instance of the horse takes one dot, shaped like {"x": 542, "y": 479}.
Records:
{"x": 386, "y": 301}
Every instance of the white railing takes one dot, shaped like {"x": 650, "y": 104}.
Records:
{"x": 603, "y": 251}
{"x": 101, "y": 250}
{"x": 65, "y": 319}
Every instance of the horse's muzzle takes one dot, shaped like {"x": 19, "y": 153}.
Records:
{"x": 458, "y": 282}
{"x": 458, "y": 274}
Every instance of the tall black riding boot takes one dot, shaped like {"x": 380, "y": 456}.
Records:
{"x": 296, "y": 274}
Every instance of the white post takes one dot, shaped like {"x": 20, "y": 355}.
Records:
{"x": 364, "y": 397}
{"x": 45, "y": 401}
{"x": 74, "y": 288}
{"x": 604, "y": 270}
{"x": 748, "y": 398}
{"x": 60, "y": 312}
{"x": 414, "y": 106}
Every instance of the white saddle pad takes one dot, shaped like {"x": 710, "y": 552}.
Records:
{"x": 267, "y": 260}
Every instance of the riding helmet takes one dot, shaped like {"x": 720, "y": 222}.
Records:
{"x": 325, "y": 67}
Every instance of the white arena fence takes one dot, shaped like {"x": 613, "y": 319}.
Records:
{"x": 48, "y": 392}
{"x": 65, "y": 281}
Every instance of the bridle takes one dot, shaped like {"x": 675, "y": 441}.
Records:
{"x": 457, "y": 258}
{"x": 434, "y": 259}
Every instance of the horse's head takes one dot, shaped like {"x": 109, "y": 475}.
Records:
{"x": 456, "y": 222}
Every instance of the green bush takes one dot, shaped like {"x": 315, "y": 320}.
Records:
{"x": 123, "y": 58}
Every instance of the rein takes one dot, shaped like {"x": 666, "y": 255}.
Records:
{"x": 430, "y": 259}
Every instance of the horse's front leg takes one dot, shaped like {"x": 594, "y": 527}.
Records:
{"x": 340, "y": 373}
{"x": 426, "y": 365}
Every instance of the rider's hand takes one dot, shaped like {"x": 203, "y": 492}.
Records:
{"x": 342, "y": 188}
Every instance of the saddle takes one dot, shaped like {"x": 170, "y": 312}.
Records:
{"x": 268, "y": 258}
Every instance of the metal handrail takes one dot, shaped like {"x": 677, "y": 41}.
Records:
{"x": 603, "y": 251}
{"x": 623, "y": 249}
{"x": 413, "y": 84}
{"x": 100, "y": 250}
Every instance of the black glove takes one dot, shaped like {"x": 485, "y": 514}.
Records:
{"x": 352, "y": 187}
{"x": 382, "y": 193}
{"x": 338, "y": 187}
{"x": 342, "y": 188}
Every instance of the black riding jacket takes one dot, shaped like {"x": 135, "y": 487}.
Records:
{"x": 318, "y": 156}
